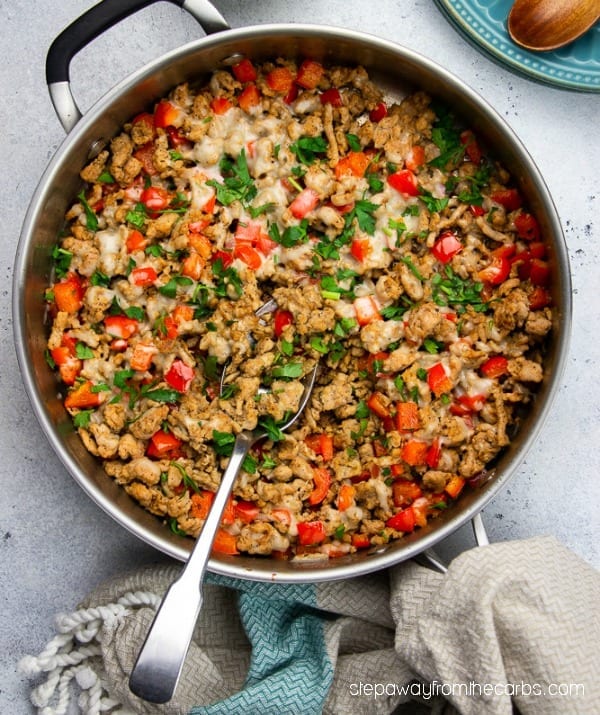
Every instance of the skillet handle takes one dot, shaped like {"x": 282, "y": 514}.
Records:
{"x": 90, "y": 25}
{"x": 432, "y": 561}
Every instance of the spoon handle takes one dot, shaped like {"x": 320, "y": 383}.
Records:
{"x": 160, "y": 660}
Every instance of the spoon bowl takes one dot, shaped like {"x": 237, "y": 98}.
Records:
{"x": 159, "y": 662}
{"x": 543, "y": 25}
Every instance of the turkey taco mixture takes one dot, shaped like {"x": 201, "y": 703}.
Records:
{"x": 400, "y": 257}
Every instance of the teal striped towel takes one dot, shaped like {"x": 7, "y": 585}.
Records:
{"x": 505, "y": 623}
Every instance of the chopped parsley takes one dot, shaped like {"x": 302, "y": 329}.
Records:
{"x": 169, "y": 289}
{"x": 434, "y": 204}
{"x": 353, "y": 142}
{"x": 100, "y": 279}
{"x": 91, "y": 220}
{"x": 271, "y": 427}
{"x": 62, "y": 261}
{"x": 448, "y": 289}
{"x": 287, "y": 371}
{"x": 291, "y": 236}
{"x": 226, "y": 278}
{"x": 83, "y": 352}
{"x": 237, "y": 183}
{"x": 446, "y": 137}
{"x": 308, "y": 149}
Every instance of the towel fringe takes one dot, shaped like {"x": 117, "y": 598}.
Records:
{"x": 69, "y": 659}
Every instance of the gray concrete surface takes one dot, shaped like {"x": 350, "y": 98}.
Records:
{"x": 56, "y": 544}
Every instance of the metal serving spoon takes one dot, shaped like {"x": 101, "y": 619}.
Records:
{"x": 158, "y": 666}
{"x": 548, "y": 24}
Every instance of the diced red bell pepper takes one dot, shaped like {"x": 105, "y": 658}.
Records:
{"x": 354, "y": 163}
{"x": 246, "y": 511}
{"x": 69, "y": 366}
{"x": 379, "y": 405}
{"x": 143, "y": 276}
{"x": 145, "y": 118}
{"x": 169, "y": 328}
{"x": 361, "y": 541}
{"x": 472, "y": 148}
{"x": 183, "y": 313}
{"x": 228, "y": 515}
{"x": 467, "y": 404}
{"x": 68, "y": 294}
{"x": 165, "y": 114}
{"x": 176, "y": 138}
{"x": 83, "y": 396}
{"x": 163, "y": 444}
{"x": 225, "y": 543}
{"x": 407, "y": 416}
{"x": 200, "y": 244}
{"x": 180, "y": 376}
{"x": 280, "y": 79}
{"x": 496, "y": 272}
{"x": 155, "y": 199}
{"x": 405, "y": 182}
{"x": 141, "y": 358}
{"x": 438, "y": 380}
{"x": 249, "y": 255}
{"x": 282, "y": 515}
{"x": 494, "y": 367}
{"x": 434, "y": 453}
{"x": 415, "y": 157}
{"x": 378, "y": 112}
{"x": 366, "y": 309}
{"x": 245, "y": 71}
{"x": 145, "y": 155}
{"x": 249, "y": 97}
{"x": 281, "y": 319}
{"x": 321, "y": 444}
{"x": 193, "y": 265}
{"x": 305, "y": 201}
{"x": 454, "y": 486}
{"x": 403, "y": 520}
{"x": 509, "y": 198}
{"x": 360, "y": 248}
{"x": 121, "y": 326}
{"x": 345, "y": 497}
{"x": 476, "y": 210}
{"x": 527, "y": 227}
{"x": 309, "y": 74}
{"x": 311, "y": 532}
{"x": 539, "y": 298}
{"x": 537, "y": 249}
{"x": 332, "y": 96}
{"x": 404, "y": 492}
{"x": 322, "y": 482}
{"x": 249, "y": 231}
{"x": 135, "y": 241}
{"x": 414, "y": 452}
{"x": 201, "y": 503}
{"x": 220, "y": 105}
{"x": 371, "y": 364}
{"x": 420, "y": 509}
{"x": 539, "y": 273}
{"x": 446, "y": 247}
{"x": 226, "y": 258}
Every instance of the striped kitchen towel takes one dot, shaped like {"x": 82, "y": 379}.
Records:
{"x": 512, "y": 624}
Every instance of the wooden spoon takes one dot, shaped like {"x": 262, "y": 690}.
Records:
{"x": 548, "y": 24}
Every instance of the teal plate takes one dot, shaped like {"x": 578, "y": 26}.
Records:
{"x": 483, "y": 22}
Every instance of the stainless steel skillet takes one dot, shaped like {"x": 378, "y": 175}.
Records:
{"x": 399, "y": 71}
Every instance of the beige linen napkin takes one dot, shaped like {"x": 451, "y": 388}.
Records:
{"x": 509, "y": 624}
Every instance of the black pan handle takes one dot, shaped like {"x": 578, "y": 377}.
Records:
{"x": 90, "y": 25}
